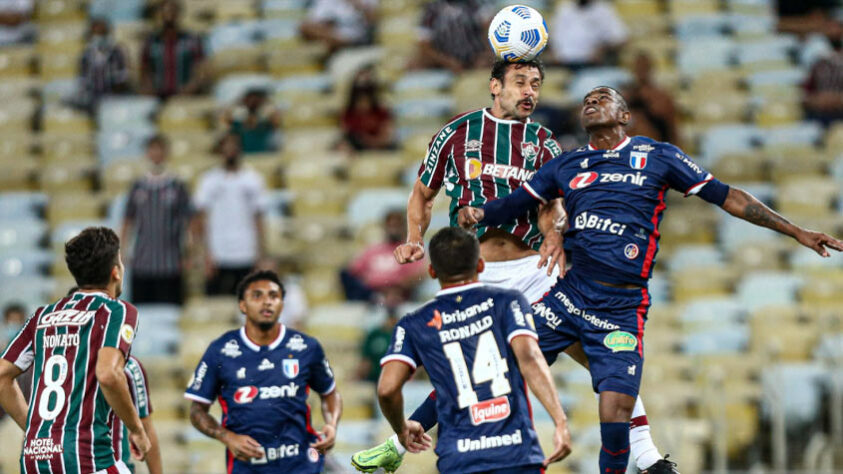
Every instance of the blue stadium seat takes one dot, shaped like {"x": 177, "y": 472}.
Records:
{"x": 791, "y": 77}
{"x": 699, "y": 56}
{"x": 21, "y": 234}
{"x": 722, "y": 338}
{"x": 768, "y": 288}
{"x": 233, "y": 36}
{"x": 122, "y": 144}
{"x": 31, "y": 291}
{"x": 20, "y": 205}
{"x": 830, "y": 348}
{"x": 371, "y": 205}
{"x": 689, "y": 256}
{"x": 317, "y": 83}
{"x": 126, "y": 113}
{"x": 732, "y": 233}
{"x": 117, "y": 11}
{"x": 233, "y": 86}
{"x": 277, "y": 29}
{"x": 814, "y": 47}
{"x": 587, "y": 79}
{"x": 802, "y": 258}
{"x": 802, "y": 133}
{"x": 68, "y": 229}
{"x": 727, "y": 138}
{"x": 751, "y": 25}
{"x": 711, "y": 312}
{"x": 60, "y": 90}
{"x": 433, "y": 79}
{"x": 659, "y": 288}
{"x": 430, "y": 107}
{"x": 770, "y": 49}
{"x": 798, "y": 387}
{"x": 24, "y": 264}
{"x": 701, "y": 27}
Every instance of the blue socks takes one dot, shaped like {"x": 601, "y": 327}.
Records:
{"x": 614, "y": 454}
{"x": 426, "y": 413}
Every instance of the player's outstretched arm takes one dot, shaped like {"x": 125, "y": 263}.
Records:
{"x": 553, "y": 222}
{"x": 243, "y": 447}
{"x": 419, "y": 208}
{"x": 498, "y": 211}
{"x": 537, "y": 374}
{"x": 11, "y": 397}
{"x": 740, "y": 203}
{"x": 410, "y": 433}
{"x": 331, "y": 412}
{"x": 153, "y": 459}
{"x": 112, "y": 380}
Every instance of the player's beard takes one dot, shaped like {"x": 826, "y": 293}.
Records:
{"x": 518, "y": 112}
{"x": 266, "y": 325}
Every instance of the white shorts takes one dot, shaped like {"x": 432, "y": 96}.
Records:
{"x": 521, "y": 275}
{"x": 119, "y": 468}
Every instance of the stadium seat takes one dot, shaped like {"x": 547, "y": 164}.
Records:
{"x": 369, "y": 206}
{"x": 20, "y": 234}
{"x": 691, "y": 284}
{"x": 31, "y": 291}
{"x": 16, "y": 61}
{"x": 239, "y": 35}
{"x": 19, "y": 174}
{"x": 701, "y": 27}
{"x": 711, "y": 54}
{"x": 759, "y": 289}
{"x": 743, "y": 25}
{"x": 797, "y": 387}
{"x": 587, "y": 79}
{"x": 320, "y": 202}
{"x": 76, "y": 175}
{"x": 695, "y": 256}
{"x": 710, "y": 312}
{"x": 375, "y": 170}
{"x": 426, "y": 110}
{"x": 767, "y": 53}
{"x": 125, "y": 113}
{"x": 22, "y": 205}
{"x": 808, "y": 196}
{"x": 232, "y": 87}
{"x": 682, "y": 8}
{"x": 116, "y": 11}
{"x": 123, "y": 144}
{"x": 724, "y": 339}
{"x": 292, "y": 9}
{"x": 29, "y": 263}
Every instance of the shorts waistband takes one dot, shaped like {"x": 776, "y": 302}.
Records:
{"x": 513, "y": 263}
{"x": 587, "y": 280}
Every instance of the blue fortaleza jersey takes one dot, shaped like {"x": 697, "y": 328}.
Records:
{"x": 462, "y": 339}
{"x": 615, "y": 200}
{"x": 263, "y": 393}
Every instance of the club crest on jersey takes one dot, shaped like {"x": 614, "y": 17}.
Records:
{"x": 631, "y": 251}
{"x": 638, "y": 160}
{"x": 231, "y": 349}
{"x": 296, "y": 343}
{"x": 266, "y": 365}
{"x": 290, "y": 368}
{"x": 529, "y": 151}
{"x": 582, "y": 180}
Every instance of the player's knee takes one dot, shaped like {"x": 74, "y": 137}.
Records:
{"x": 616, "y": 407}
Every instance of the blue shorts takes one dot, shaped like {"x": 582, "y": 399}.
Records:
{"x": 529, "y": 469}
{"x": 609, "y": 322}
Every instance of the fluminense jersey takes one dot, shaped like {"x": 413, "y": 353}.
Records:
{"x": 67, "y": 427}
{"x": 462, "y": 338}
{"x": 615, "y": 200}
{"x": 263, "y": 393}
{"x": 478, "y": 157}
{"x": 139, "y": 389}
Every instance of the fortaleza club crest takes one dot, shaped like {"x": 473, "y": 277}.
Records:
{"x": 638, "y": 160}
{"x": 290, "y": 367}
{"x": 529, "y": 151}
{"x": 620, "y": 341}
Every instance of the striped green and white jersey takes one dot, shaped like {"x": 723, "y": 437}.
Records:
{"x": 478, "y": 158}
{"x": 67, "y": 427}
{"x": 139, "y": 389}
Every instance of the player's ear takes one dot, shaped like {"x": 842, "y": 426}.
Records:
{"x": 626, "y": 116}
{"x": 242, "y": 305}
{"x": 431, "y": 271}
{"x": 481, "y": 265}
{"x": 495, "y": 86}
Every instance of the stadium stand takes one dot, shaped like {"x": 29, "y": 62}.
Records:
{"x": 744, "y": 338}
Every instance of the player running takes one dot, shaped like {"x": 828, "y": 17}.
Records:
{"x": 139, "y": 389}
{"x": 614, "y": 190}
{"x": 78, "y": 347}
{"x": 485, "y": 423}
{"x": 262, "y": 374}
{"x": 480, "y": 156}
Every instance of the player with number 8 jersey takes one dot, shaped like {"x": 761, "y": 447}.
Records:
{"x": 68, "y": 418}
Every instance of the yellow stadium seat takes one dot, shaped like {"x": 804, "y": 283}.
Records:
{"x": 792, "y": 341}
{"x": 322, "y": 286}
{"x": 200, "y": 311}
{"x": 701, "y": 282}
{"x": 398, "y": 31}
{"x": 118, "y": 175}
{"x": 807, "y": 196}
{"x": 633, "y": 9}
{"x": 14, "y": 147}
{"x": 268, "y": 167}
{"x": 66, "y": 120}
{"x": 308, "y": 112}
{"x": 60, "y": 11}
{"x": 17, "y": 122}
{"x": 825, "y": 289}
{"x": 190, "y": 146}
{"x": 19, "y": 173}
{"x": 681, "y": 8}
{"x": 747, "y": 166}
{"x": 233, "y": 10}
{"x": 16, "y": 61}
{"x": 300, "y": 58}
{"x": 62, "y": 145}
{"x": 375, "y": 170}
{"x": 73, "y": 175}
{"x": 789, "y": 162}
{"x": 186, "y": 114}
{"x": 778, "y": 113}
{"x": 834, "y": 138}
{"x": 706, "y": 109}
{"x": 306, "y": 173}
{"x": 73, "y": 206}
{"x": 240, "y": 60}
{"x": 307, "y": 141}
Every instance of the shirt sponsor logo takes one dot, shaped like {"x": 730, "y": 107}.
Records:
{"x": 553, "y": 147}
{"x": 474, "y": 168}
{"x": 584, "y": 163}
{"x": 399, "y": 339}
{"x": 266, "y": 365}
{"x": 489, "y": 411}
{"x": 644, "y": 147}
{"x": 274, "y": 453}
{"x": 620, "y": 341}
{"x": 630, "y": 251}
{"x": 231, "y": 349}
{"x": 489, "y": 442}
{"x": 312, "y": 455}
{"x": 290, "y": 368}
{"x": 638, "y": 160}
{"x": 611, "y": 154}
{"x": 196, "y": 381}
{"x": 592, "y": 221}
{"x": 61, "y": 340}
{"x": 440, "y": 139}
{"x": 248, "y": 393}
{"x": 689, "y": 163}
{"x": 555, "y": 321}
{"x": 245, "y": 394}
{"x": 42, "y": 449}
{"x": 65, "y": 317}
{"x": 582, "y": 180}
{"x": 463, "y": 332}
{"x": 296, "y": 343}
{"x": 470, "y": 312}
{"x": 436, "y": 320}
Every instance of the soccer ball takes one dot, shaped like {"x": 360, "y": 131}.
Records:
{"x": 517, "y": 33}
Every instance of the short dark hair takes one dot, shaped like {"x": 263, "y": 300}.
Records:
{"x": 620, "y": 98}
{"x": 158, "y": 139}
{"x": 500, "y": 67}
{"x": 13, "y": 308}
{"x": 91, "y": 255}
{"x": 258, "y": 275}
{"x": 454, "y": 253}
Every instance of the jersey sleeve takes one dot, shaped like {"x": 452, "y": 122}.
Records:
{"x": 432, "y": 170}
{"x": 689, "y": 178}
{"x": 121, "y": 327}
{"x": 550, "y": 150}
{"x": 203, "y": 386}
{"x": 138, "y": 387}
{"x": 321, "y": 375}
{"x": 518, "y": 318}
{"x": 542, "y": 186}
{"x": 20, "y": 350}
{"x": 401, "y": 348}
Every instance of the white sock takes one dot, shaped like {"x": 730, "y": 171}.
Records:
{"x": 641, "y": 445}
{"x": 398, "y": 446}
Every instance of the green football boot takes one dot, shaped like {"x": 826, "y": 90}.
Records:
{"x": 383, "y": 455}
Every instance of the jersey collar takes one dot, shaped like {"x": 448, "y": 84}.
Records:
{"x": 272, "y": 345}
{"x": 491, "y": 117}
{"x": 619, "y": 146}
{"x": 457, "y": 289}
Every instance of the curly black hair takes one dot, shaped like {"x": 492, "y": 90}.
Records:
{"x": 258, "y": 275}
{"x": 91, "y": 255}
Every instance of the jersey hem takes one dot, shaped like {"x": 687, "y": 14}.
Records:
{"x": 519, "y": 333}
{"x": 399, "y": 358}
{"x": 197, "y": 398}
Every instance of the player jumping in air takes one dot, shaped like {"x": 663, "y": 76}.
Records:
{"x": 614, "y": 193}
{"x": 78, "y": 347}
{"x": 261, "y": 374}
{"x": 475, "y": 341}
{"x": 480, "y": 156}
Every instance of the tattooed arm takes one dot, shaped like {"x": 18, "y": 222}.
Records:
{"x": 740, "y": 203}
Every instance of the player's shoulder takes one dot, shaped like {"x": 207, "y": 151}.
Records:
{"x": 229, "y": 340}
{"x": 299, "y": 341}
{"x": 456, "y": 122}
{"x": 115, "y": 306}
{"x": 648, "y": 145}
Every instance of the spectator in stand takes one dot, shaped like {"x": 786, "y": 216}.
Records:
{"x": 374, "y": 347}
{"x": 231, "y": 201}
{"x": 172, "y": 59}
{"x": 340, "y": 23}
{"x": 376, "y": 276}
{"x": 586, "y": 33}
{"x": 453, "y": 35}
{"x": 103, "y": 68}
{"x": 653, "y": 109}
{"x": 824, "y": 87}
{"x": 158, "y": 214}
{"x": 15, "y": 21}
{"x": 255, "y": 121}
{"x": 14, "y": 317}
{"x": 366, "y": 122}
